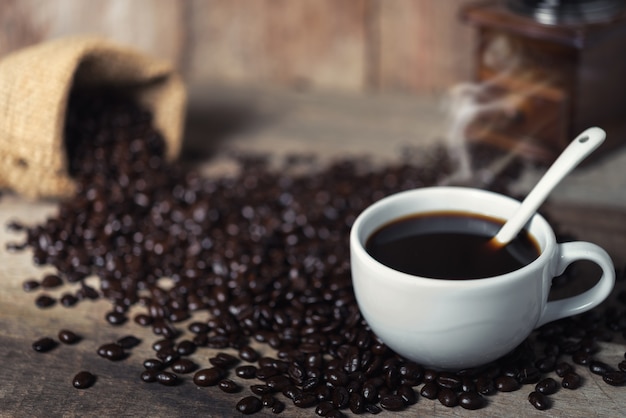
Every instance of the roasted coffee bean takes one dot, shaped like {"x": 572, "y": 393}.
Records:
{"x": 546, "y": 364}
{"x": 539, "y": 400}
{"x": 50, "y": 281}
{"x": 44, "y": 344}
{"x": 149, "y": 376}
{"x": 112, "y": 351}
{"x": 224, "y": 361}
{"x": 128, "y": 342}
{"x": 248, "y": 354}
{"x": 448, "y": 380}
{"x": 186, "y": 348}
{"x": 622, "y": 365}
{"x": 409, "y": 396}
{"x": 249, "y": 405}
{"x": 68, "y": 300}
{"x": 506, "y": 384}
{"x": 164, "y": 344}
{"x": 246, "y": 372}
{"x": 278, "y": 407}
{"x": 571, "y": 380}
{"x": 143, "y": 320}
{"x": 471, "y": 400}
{"x": 485, "y": 385}
{"x": 447, "y": 397}
{"x": 261, "y": 389}
{"x": 615, "y": 378}
{"x": 45, "y": 301}
{"x": 323, "y": 408}
{"x": 153, "y": 364}
{"x": 183, "y": 366}
{"x": 208, "y": 377}
{"x": 68, "y": 337}
{"x": 167, "y": 378}
{"x": 83, "y": 380}
{"x": 356, "y": 403}
{"x": 547, "y": 386}
{"x": 599, "y": 367}
{"x": 411, "y": 373}
{"x": 337, "y": 378}
{"x": 279, "y": 382}
{"x": 268, "y": 400}
{"x": 228, "y": 386}
{"x": 372, "y": 409}
{"x": 30, "y": 285}
{"x": 340, "y": 397}
{"x": 392, "y": 402}
{"x": 430, "y": 390}
{"x": 529, "y": 375}
{"x": 563, "y": 368}
{"x": 266, "y": 372}
{"x": 582, "y": 358}
{"x": 305, "y": 400}
{"x": 115, "y": 318}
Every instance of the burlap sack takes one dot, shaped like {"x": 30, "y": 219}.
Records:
{"x": 34, "y": 87}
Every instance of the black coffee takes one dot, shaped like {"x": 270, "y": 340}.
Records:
{"x": 449, "y": 245}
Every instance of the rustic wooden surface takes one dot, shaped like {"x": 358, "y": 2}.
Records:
{"x": 345, "y": 45}
{"x": 39, "y": 384}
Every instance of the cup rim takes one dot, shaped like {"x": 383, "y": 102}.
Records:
{"x": 537, "y": 221}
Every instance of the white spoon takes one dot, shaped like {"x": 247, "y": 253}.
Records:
{"x": 575, "y": 152}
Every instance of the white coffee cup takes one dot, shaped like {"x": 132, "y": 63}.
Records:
{"x": 456, "y": 324}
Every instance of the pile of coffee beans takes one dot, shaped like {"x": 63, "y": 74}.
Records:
{"x": 261, "y": 258}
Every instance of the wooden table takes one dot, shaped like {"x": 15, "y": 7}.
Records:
{"x": 39, "y": 384}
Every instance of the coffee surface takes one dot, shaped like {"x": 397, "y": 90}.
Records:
{"x": 449, "y": 245}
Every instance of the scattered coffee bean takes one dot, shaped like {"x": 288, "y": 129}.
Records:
{"x": 153, "y": 364}
{"x": 183, "y": 366}
{"x": 149, "y": 376}
{"x": 45, "y": 301}
{"x": 599, "y": 367}
{"x": 246, "y": 372}
{"x": 228, "y": 386}
{"x": 571, "y": 381}
{"x": 30, "y": 285}
{"x": 506, "y": 384}
{"x": 430, "y": 390}
{"x": 112, "y": 351}
{"x": 44, "y": 344}
{"x": 447, "y": 397}
{"x": 249, "y": 405}
{"x": 50, "y": 281}
{"x": 208, "y": 377}
{"x": 68, "y": 337}
{"x": 167, "y": 378}
{"x": 615, "y": 378}
{"x": 547, "y": 386}
{"x": 392, "y": 403}
{"x": 248, "y": 354}
{"x": 128, "y": 342}
{"x": 83, "y": 380}
{"x": 116, "y": 318}
{"x": 539, "y": 400}
{"x": 563, "y": 368}
{"x": 471, "y": 400}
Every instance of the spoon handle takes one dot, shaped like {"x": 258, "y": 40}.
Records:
{"x": 575, "y": 152}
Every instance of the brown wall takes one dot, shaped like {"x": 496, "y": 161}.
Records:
{"x": 417, "y": 46}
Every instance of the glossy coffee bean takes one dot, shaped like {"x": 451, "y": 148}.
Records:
{"x": 539, "y": 400}
{"x": 547, "y": 386}
{"x": 83, "y": 380}
{"x": 68, "y": 337}
{"x": 43, "y": 345}
{"x": 208, "y": 377}
{"x": 249, "y": 405}
{"x": 571, "y": 381}
{"x": 471, "y": 400}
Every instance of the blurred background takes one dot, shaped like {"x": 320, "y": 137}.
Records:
{"x": 412, "y": 46}
{"x": 352, "y": 77}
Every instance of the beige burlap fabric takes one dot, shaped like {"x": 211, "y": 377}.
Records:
{"x": 34, "y": 87}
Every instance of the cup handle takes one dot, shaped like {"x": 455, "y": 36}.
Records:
{"x": 570, "y": 252}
